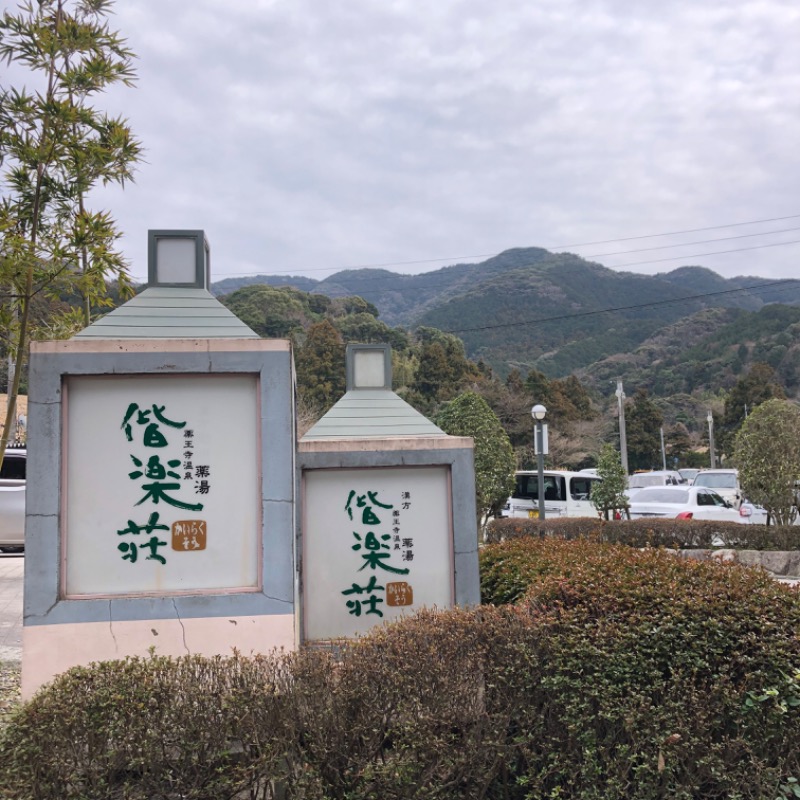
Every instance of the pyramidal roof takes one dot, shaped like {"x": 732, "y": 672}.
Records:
{"x": 371, "y": 414}
{"x": 161, "y": 312}
{"x": 176, "y": 303}
{"x": 370, "y": 409}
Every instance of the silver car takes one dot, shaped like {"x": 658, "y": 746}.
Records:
{"x": 12, "y": 500}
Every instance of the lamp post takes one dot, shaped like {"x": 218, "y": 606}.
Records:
{"x": 538, "y": 413}
{"x": 710, "y": 419}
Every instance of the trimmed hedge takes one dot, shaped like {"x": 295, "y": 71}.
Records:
{"x": 601, "y": 672}
{"x": 672, "y": 533}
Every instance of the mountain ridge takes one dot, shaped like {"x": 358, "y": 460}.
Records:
{"x": 529, "y": 308}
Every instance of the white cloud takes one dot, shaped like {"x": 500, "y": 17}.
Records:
{"x": 305, "y": 135}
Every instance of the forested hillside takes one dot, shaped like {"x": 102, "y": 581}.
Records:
{"x": 720, "y": 358}
{"x": 528, "y": 308}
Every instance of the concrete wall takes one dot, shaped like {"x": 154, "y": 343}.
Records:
{"x": 454, "y": 453}
{"x": 59, "y": 632}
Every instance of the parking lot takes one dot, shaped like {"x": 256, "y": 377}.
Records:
{"x": 11, "y": 573}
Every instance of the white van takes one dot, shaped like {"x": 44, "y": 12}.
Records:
{"x": 566, "y": 494}
{"x": 725, "y": 482}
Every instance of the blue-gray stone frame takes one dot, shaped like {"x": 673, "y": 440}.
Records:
{"x": 459, "y": 460}
{"x": 51, "y": 363}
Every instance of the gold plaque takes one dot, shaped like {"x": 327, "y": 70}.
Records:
{"x": 399, "y": 593}
{"x": 189, "y": 534}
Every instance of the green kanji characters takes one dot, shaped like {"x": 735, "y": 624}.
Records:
{"x": 374, "y": 559}
{"x": 152, "y": 434}
{"x": 153, "y": 545}
{"x": 131, "y": 552}
{"x": 370, "y": 541}
{"x": 376, "y": 550}
{"x": 368, "y": 516}
{"x": 154, "y": 469}
{"x": 129, "y": 549}
{"x": 148, "y": 527}
{"x": 371, "y": 602}
{"x": 157, "y": 490}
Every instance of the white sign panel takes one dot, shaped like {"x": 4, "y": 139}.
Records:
{"x": 377, "y": 544}
{"x": 162, "y": 484}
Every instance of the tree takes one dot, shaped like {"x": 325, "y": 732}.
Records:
{"x": 435, "y": 377}
{"x": 758, "y": 385}
{"x": 320, "y": 365}
{"x": 609, "y": 494}
{"x": 444, "y": 370}
{"x": 679, "y": 443}
{"x": 469, "y": 415}
{"x": 643, "y": 422}
{"x": 55, "y": 146}
{"x": 767, "y": 452}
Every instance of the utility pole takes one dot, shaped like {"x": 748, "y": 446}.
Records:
{"x": 663, "y": 452}
{"x": 623, "y": 442}
{"x": 710, "y": 419}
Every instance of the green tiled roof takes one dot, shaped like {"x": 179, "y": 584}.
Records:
{"x": 371, "y": 414}
{"x": 169, "y": 313}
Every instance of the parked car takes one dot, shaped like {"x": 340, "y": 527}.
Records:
{"x": 566, "y": 494}
{"x": 658, "y": 477}
{"x": 723, "y": 481}
{"x": 12, "y": 500}
{"x": 689, "y": 502}
{"x": 688, "y": 474}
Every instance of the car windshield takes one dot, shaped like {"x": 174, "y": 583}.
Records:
{"x": 638, "y": 481}
{"x": 658, "y": 495}
{"x": 709, "y": 498}
{"x": 719, "y": 480}
{"x": 13, "y": 468}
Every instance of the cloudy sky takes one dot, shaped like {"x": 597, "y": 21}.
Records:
{"x": 308, "y": 136}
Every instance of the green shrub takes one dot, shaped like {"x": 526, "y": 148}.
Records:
{"x": 145, "y": 728}
{"x": 662, "y": 678}
{"x": 673, "y": 533}
{"x": 599, "y": 671}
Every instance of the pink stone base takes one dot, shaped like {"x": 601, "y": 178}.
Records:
{"x": 48, "y": 650}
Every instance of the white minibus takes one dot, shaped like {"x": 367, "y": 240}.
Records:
{"x": 566, "y": 494}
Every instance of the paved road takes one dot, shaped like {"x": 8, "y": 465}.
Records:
{"x": 11, "y": 571}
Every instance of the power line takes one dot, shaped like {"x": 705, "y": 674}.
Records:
{"x": 455, "y": 259}
{"x": 653, "y": 304}
{"x": 690, "y": 244}
{"x": 703, "y": 255}
{"x": 678, "y": 233}
{"x": 434, "y": 284}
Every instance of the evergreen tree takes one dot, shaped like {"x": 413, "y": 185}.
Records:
{"x": 643, "y": 422}
{"x": 678, "y": 442}
{"x": 320, "y": 365}
{"x": 470, "y": 415}
{"x": 609, "y": 494}
{"x": 757, "y": 386}
{"x": 435, "y": 379}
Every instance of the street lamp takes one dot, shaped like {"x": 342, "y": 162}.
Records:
{"x": 710, "y": 419}
{"x": 538, "y": 413}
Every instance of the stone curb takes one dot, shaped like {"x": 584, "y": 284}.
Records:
{"x": 782, "y": 563}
